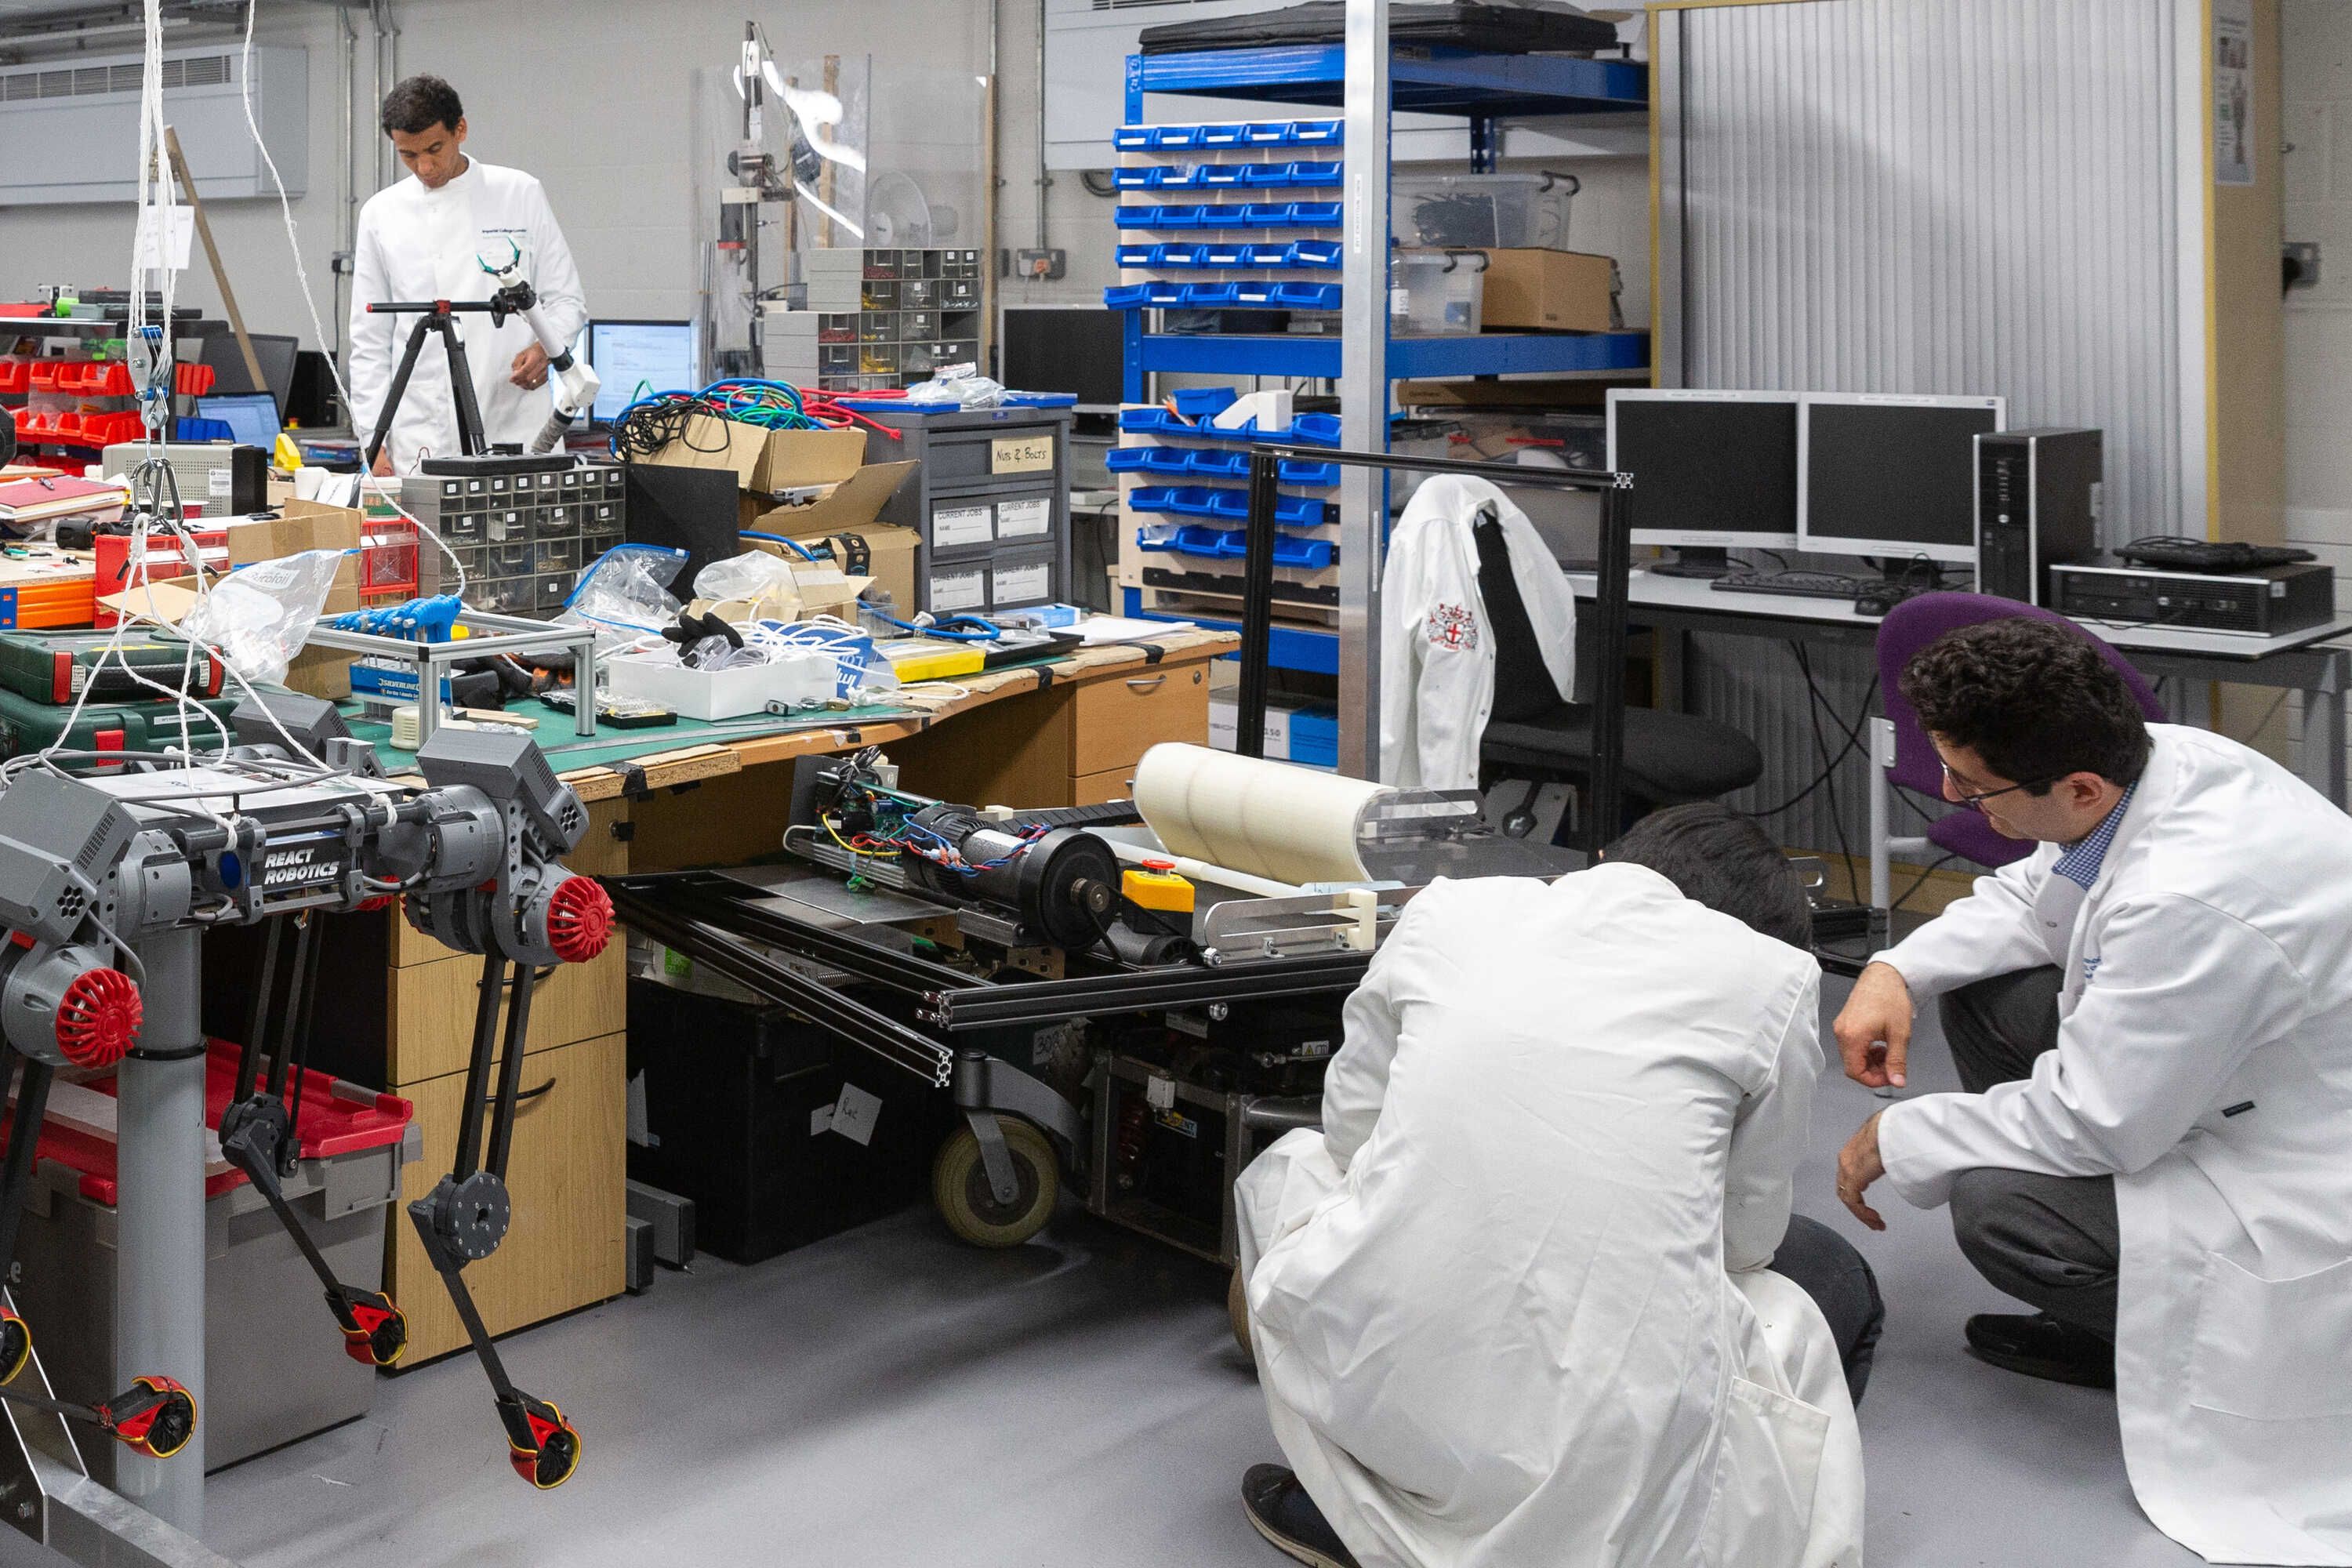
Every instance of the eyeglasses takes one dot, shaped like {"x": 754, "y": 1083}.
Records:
{"x": 1976, "y": 801}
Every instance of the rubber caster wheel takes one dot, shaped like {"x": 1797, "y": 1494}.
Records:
{"x": 557, "y": 1456}
{"x": 1237, "y": 1310}
{"x": 381, "y": 1337}
{"x": 164, "y": 1430}
{"x": 960, "y": 1186}
{"x": 15, "y": 1345}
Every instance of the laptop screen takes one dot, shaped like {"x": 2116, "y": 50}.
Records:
{"x": 251, "y": 416}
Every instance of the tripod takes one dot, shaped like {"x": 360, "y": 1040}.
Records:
{"x": 438, "y": 316}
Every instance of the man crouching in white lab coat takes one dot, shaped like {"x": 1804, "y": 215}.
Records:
{"x": 1514, "y": 1306}
{"x": 2152, "y": 1016}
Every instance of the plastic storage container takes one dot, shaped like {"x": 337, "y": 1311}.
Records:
{"x": 1481, "y": 210}
{"x": 275, "y": 1362}
{"x": 1436, "y": 293}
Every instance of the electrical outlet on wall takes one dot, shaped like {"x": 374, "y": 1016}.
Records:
{"x": 1037, "y": 265}
{"x": 2300, "y": 264}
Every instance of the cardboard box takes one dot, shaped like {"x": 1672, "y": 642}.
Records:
{"x": 1532, "y": 290}
{"x": 766, "y": 463}
{"x": 889, "y": 549}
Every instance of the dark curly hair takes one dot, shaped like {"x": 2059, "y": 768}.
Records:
{"x": 2035, "y": 701}
{"x": 420, "y": 104}
{"x": 1724, "y": 860}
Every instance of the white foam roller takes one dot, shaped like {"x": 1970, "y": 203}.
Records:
{"x": 1269, "y": 819}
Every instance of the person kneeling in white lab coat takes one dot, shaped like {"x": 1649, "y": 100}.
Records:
{"x": 2152, "y": 1016}
{"x": 1518, "y": 1304}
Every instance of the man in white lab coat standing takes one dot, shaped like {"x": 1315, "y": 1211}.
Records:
{"x": 2152, "y": 1016}
{"x": 1532, "y": 1297}
{"x": 427, "y": 238}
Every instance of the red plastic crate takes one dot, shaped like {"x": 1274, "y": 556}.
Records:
{"x": 16, "y": 375}
{"x": 332, "y": 1125}
{"x": 192, "y": 380}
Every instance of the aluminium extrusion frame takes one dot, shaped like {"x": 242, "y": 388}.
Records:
{"x": 1606, "y": 788}
{"x": 493, "y": 634}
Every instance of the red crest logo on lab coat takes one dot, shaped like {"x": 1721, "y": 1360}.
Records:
{"x": 1453, "y": 627}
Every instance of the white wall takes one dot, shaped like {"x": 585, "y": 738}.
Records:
{"x": 2319, "y": 128}
{"x": 592, "y": 96}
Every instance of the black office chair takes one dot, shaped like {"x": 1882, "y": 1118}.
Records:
{"x": 1532, "y": 735}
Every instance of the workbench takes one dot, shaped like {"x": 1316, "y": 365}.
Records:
{"x": 1065, "y": 731}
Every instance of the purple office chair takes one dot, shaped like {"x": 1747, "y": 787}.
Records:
{"x": 1910, "y": 761}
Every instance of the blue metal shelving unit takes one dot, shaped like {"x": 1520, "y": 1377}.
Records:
{"x": 1482, "y": 90}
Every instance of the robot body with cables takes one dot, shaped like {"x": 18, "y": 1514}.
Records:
{"x": 106, "y": 883}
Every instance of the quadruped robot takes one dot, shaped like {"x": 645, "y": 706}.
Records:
{"x": 111, "y": 867}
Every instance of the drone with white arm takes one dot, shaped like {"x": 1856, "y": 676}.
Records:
{"x": 576, "y": 381}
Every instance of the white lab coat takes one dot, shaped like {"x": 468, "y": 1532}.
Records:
{"x": 2204, "y": 1060}
{"x": 1511, "y": 1305}
{"x": 415, "y": 244}
{"x": 1437, "y": 650}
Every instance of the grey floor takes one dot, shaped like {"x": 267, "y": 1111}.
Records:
{"x": 892, "y": 1397}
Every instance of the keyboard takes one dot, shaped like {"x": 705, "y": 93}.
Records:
{"x": 2206, "y": 555}
{"x": 1799, "y": 585}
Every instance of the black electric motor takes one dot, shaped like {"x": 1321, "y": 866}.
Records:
{"x": 1064, "y": 886}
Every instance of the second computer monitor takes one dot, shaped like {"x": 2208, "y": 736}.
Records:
{"x": 638, "y": 359}
{"x": 1712, "y": 470}
{"x": 1892, "y": 475}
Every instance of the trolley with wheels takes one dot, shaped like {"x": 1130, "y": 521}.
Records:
{"x": 1104, "y": 1011}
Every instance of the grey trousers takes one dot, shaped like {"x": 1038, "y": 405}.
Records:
{"x": 2052, "y": 1242}
{"x": 1826, "y": 1266}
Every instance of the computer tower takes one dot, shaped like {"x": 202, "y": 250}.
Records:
{"x": 2037, "y": 506}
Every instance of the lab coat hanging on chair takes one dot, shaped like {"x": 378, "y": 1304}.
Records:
{"x": 1437, "y": 644}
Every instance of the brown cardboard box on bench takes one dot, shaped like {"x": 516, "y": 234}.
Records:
{"x": 1533, "y": 291}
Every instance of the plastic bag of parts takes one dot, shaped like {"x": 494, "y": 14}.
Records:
{"x": 750, "y": 577}
{"x": 958, "y": 386}
{"x": 258, "y": 616}
{"x": 624, "y": 595}
{"x": 858, "y": 668}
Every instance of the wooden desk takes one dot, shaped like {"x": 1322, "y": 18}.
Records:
{"x": 1060, "y": 734}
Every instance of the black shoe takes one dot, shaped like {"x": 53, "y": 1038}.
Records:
{"x": 2040, "y": 1346}
{"x": 1283, "y": 1512}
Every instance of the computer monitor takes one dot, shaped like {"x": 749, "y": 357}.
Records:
{"x": 638, "y": 359}
{"x": 1713, "y": 471}
{"x": 1077, "y": 349}
{"x": 251, "y": 416}
{"x": 275, "y": 350}
{"x": 1892, "y": 476}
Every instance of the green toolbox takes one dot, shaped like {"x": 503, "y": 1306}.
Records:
{"x": 53, "y": 668}
{"x": 27, "y": 724}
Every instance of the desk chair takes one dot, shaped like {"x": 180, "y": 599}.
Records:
{"x": 1901, "y": 755}
{"x": 1533, "y": 736}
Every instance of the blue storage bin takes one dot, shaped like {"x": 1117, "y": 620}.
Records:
{"x": 1308, "y": 476}
{"x": 1234, "y": 504}
{"x": 1224, "y": 256}
{"x": 1267, "y": 175}
{"x": 1193, "y": 539}
{"x": 1315, "y": 215}
{"x": 1306, "y": 296}
{"x": 1178, "y": 179}
{"x": 1203, "y": 402}
{"x": 1136, "y": 217}
{"x": 1142, "y": 256}
{"x": 1207, "y": 295}
{"x": 1174, "y": 138}
{"x": 1321, "y": 253}
{"x": 1313, "y": 555}
{"x": 1308, "y": 175}
{"x": 1314, "y": 430}
{"x": 1214, "y": 465}
{"x": 1299, "y": 511}
{"x": 1144, "y": 421}
{"x": 1167, "y": 460}
{"x": 1317, "y": 132}
{"x": 1268, "y": 133}
{"x": 1134, "y": 179}
{"x": 1187, "y": 217}
{"x": 1221, "y": 135}
{"x": 1268, "y": 256}
{"x": 1183, "y": 500}
{"x": 1128, "y": 460}
{"x": 1221, "y": 173}
{"x": 1259, "y": 296}
{"x": 1131, "y": 138}
{"x": 1143, "y": 296}
{"x": 1267, "y": 214}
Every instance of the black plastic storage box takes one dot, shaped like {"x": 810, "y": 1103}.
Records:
{"x": 738, "y": 1110}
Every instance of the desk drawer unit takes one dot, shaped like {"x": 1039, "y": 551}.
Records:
{"x": 990, "y": 504}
